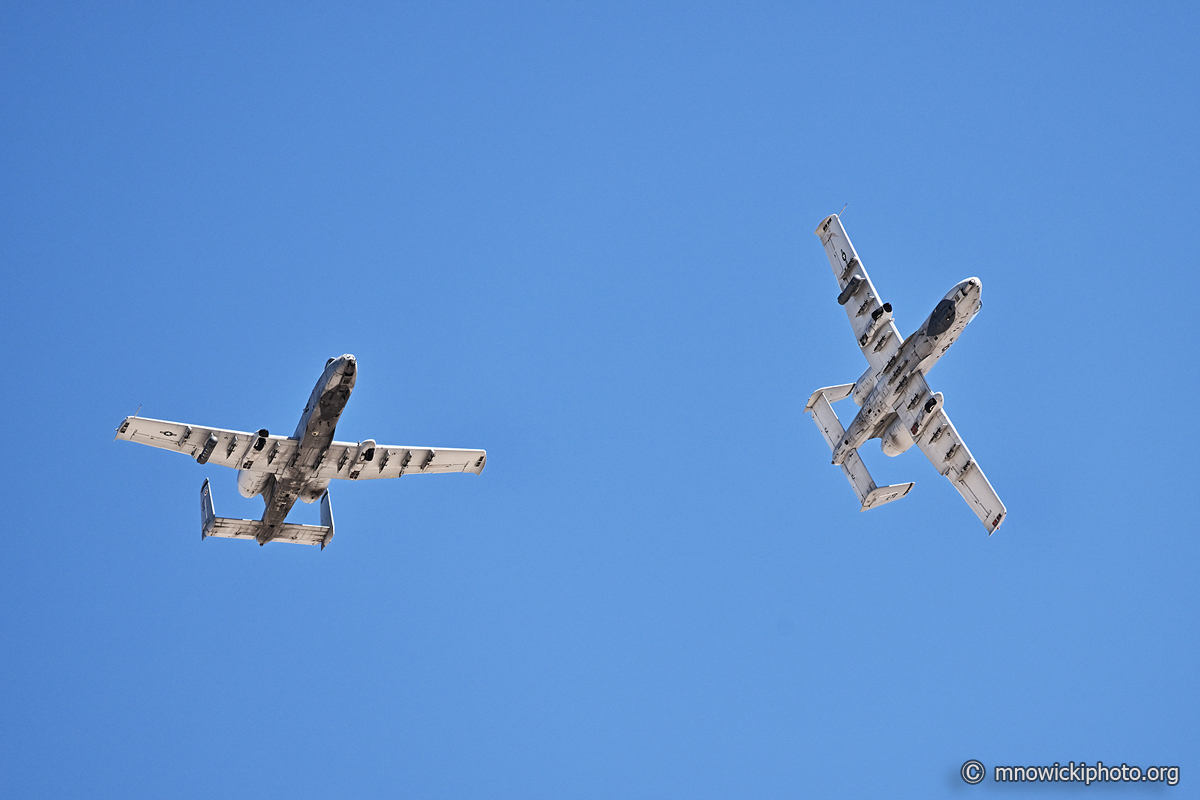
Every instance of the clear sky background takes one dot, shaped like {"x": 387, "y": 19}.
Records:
{"x": 580, "y": 236}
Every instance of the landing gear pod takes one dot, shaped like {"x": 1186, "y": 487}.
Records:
{"x": 366, "y": 453}
{"x": 879, "y": 318}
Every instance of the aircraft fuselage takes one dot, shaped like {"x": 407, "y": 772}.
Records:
{"x": 299, "y": 480}
{"x": 878, "y": 391}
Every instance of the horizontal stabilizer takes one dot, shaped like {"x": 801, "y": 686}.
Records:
{"x": 870, "y": 495}
{"x": 882, "y": 495}
{"x": 229, "y": 528}
{"x": 832, "y": 394}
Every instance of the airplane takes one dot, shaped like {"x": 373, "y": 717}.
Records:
{"x": 284, "y": 469}
{"x": 898, "y": 406}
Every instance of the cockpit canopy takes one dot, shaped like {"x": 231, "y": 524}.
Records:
{"x": 941, "y": 319}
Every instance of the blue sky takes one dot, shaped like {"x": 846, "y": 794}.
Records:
{"x": 580, "y": 236}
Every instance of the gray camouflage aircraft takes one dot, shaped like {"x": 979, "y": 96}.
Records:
{"x": 284, "y": 469}
{"x": 898, "y": 406}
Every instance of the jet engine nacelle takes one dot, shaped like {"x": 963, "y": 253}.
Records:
{"x": 896, "y": 439}
{"x": 312, "y": 492}
{"x": 252, "y": 482}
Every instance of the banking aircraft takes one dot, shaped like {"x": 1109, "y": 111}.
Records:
{"x": 898, "y": 406}
{"x": 284, "y": 469}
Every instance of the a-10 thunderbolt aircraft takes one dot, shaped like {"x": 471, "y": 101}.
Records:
{"x": 284, "y": 469}
{"x": 897, "y": 404}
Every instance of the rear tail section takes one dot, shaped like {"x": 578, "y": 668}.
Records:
{"x": 326, "y": 519}
{"x": 870, "y": 495}
{"x": 228, "y": 528}
{"x": 208, "y": 517}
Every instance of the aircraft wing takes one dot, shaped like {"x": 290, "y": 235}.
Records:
{"x": 285, "y": 532}
{"x": 344, "y": 460}
{"x": 926, "y": 418}
{"x": 228, "y": 448}
{"x": 242, "y": 450}
{"x": 873, "y": 327}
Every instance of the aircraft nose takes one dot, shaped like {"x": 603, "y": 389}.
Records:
{"x": 343, "y": 370}
{"x": 974, "y": 291}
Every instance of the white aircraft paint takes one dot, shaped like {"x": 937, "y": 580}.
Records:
{"x": 898, "y": 406}
{"x": 298, "y": 467}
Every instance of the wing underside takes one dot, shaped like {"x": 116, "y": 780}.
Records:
{"x": 241, "y": 450}
{"x": 236, "y": 449}
{"x": 389, "y": 461}
{"x": 939, "y": 440}
{"x": 874, "y": 330}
